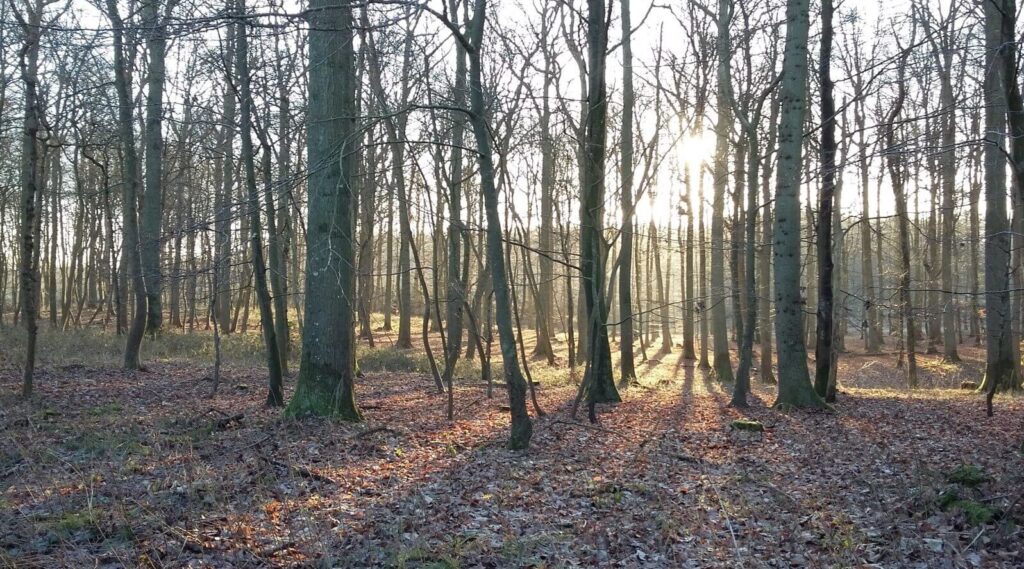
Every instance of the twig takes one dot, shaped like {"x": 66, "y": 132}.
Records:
{"x": 224, "y": 423}
{"x": 974, "y": 540}
{"x": 381, "y": 429}
{"x": 301, "y": 471}
{"x": 586, "y": 426}
{"x": 255, "y": 444}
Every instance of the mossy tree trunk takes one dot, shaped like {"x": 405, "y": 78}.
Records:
{"x": 326, "y": 382}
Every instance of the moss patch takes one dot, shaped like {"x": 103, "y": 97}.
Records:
{"x": 747, "y": 425}
{"x": 968, "y": 475}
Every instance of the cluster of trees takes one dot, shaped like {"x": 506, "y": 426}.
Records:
{"x": 174, "y": 166}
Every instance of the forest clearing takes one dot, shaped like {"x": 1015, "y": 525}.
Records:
{"x": 120, "y": 468}
{"x": 498, "y": 284}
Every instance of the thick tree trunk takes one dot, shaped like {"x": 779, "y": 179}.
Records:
{"x": 795, "y": 389}
{"x": 326, "y": 379}
{"x": 597, "y": 379}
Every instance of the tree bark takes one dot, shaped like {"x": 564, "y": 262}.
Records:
{"x": 795, "y": 389}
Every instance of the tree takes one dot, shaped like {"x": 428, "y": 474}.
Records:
{"x": 151, "y": 215}
{"x": 627, "y": 367}
{"x": 326, "y": 379}
{"x": 597, "y": 378}
{"x": 275, "y": 391}
{"x": 795, "y": 389}
{"x": 1001, "y": 367}
{"x": 897, "y": 173}
{"x": 28, "y": 61}
{"x": 721, "y": 358}
{"x": 522, "y": 427}
{"x": 132, "y": 261}
{"x": 824, "y": 353}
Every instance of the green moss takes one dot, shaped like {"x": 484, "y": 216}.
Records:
{"x": 747, "y": 425}
{"x": 104, "y": 410}
{"x": 947, "y": 497}
{"x": 318, "y": 393}
{"x": 969, "y": 475}
{"x": 74, "y": 522}
{"x": 975, "y": 512}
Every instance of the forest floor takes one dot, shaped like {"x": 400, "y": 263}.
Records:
{"x": 108, "y": 468}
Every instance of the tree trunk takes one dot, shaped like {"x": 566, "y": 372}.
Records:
{"x": 795, "y": 389}
{"x": 326, "y": 379}
{"x": 522, "y": 427}
{"x": 132, "y": 264}
{"x": 824, "y": 354}
{"x": 30, "y": 171}
{"x": 152, "y": 200}
{"x": 722, "y": 360}
{"x": 598, "y": 379}
{"x": 627, "y": 366}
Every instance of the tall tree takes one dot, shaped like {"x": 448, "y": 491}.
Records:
{"x": 597, "y": 378}
{"x": 721, "y": 358}
{"x": 130, "y": 243}
{"x": 275, "y": 391}
{"x": 456, "y": 293}
{"x": 522, "y": 427}
{"x": 28, "y": 61}
{"x": 824, "y": 354}
{"x": 897, "y": 173}
{"x": 326, "y": 379}
{"x": 1001, "y": 367}
{"x": 795, "y": 389}
{"x": 151, "y": 215}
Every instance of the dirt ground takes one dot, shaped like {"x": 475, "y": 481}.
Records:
{"x": 107, "y": 468}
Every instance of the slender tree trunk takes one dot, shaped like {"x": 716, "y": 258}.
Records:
{"x": 456, "y": 289}
{"x": 275, "y": 392}
{"x": 824, "y": 353}
{"x": 29, "y": 64}
{"x": 688, "y": 269}
{"x": 702, "y": 303}
{"x": 722, "y": 360}
{"x": 627, "y": 366}
{"x": 152, "y": 200}
{"x": 522, "y": 427}
{"x": 132, "y": 264}
{"x": 897, "y": 172}
{"x": 223, "y": 206}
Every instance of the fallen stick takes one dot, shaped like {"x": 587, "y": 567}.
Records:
{"x": 586, "y": 426}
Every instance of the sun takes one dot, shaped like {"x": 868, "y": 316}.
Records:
{"x": 696, "y": 149}
{"x": 660, "y": 203}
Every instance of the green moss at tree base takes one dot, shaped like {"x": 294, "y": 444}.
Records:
{"x": 322, "y": 395}
{"x": 722, "y": 369}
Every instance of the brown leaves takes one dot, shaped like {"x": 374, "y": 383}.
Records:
{"x": 660, "y": 482}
